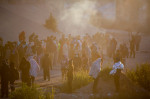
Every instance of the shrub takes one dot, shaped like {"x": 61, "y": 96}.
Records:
{"x": 26, "y": 92}
{"x": 81, "y": 78}
{"x": 141, "y": 75}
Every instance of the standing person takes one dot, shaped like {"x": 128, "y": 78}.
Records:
{"x": 117, "y": 67}
{"x": 132, "y": 48}
{"x": 70, "y": 76}
{"x": 5, "y": 76}
{"x": 61, "y": 42}
{"x": 95, "y": 70}
{"x": 46, "y": 65}
{"x": 34, "y": 69}
{"x": 137, "y": 41}
{"x": 14, "y": 75}
{"x": 64, "y": 65}
{"x": 25, "y": 71}
{"x": 55, "y": 51}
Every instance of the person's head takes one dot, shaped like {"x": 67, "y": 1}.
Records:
{"x": 12, "y": 65}
{"x": 117, "y": 59}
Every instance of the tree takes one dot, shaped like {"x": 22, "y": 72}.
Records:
{"x": 51, "y": 23}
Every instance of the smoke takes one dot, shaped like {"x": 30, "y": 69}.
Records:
{"x": 76, "y": 16}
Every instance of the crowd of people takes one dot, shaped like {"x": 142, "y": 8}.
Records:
{"x": 72, "y": 53}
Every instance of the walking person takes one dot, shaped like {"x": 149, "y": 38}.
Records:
{"x": 46, "y": 65}
{"x": 34, "y": 69}
{"x": 95, "y": 70}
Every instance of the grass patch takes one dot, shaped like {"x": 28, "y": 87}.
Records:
{"x": 26, "y": 92}
{"x": 81, "y": 78}
{"x": 141, "y": 75}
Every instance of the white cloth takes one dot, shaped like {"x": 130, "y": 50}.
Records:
{"x": 116, "y": 66}
{"x": 95, "y": 68}
{"x": 34, "y": 66}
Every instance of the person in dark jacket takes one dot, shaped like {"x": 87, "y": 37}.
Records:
{"x": 25, "y": 71}
{"x": 14, "y": 75}
{"x": 46, "y": 65}
{"x": 70, "y": 76}
{"x": 5, "y": 76}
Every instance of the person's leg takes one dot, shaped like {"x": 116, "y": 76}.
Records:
{"x": 134, "y": 53}
{"x": 131, "y": 53}
{"x": 32, "y": 80}
{"x": 48, "y": 74}
{"x": 116, "y": 83}
{"x": 117, "y": 80}
{"x": 44, "y": 74}
{"x": 2, "y": 89}
{"x": 95, "y": 85}
{"x": 70, "y": 86}
{"x": 6, "y": 89}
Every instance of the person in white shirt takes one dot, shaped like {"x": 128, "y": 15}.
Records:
{"x": 95, "y": 70}
{"x": 34, "y": 68}
{"x": 117, "y": 67}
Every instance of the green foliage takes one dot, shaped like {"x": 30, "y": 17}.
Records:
{"x": 81, "y": 78}
{"x": 26, "y": 92}
{"x": 141, "y": 75}
{"x": 51, "y": 23}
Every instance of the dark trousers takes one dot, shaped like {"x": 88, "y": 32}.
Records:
{"x": 26, "y": 79}
{"x": 46, "y": 74}
{"x": 32, "y": 80}
{"x": 4, "y": 89}
{"x": 95, "y": 85}
{"x": 70, "y": 85}
{"x": 117, "y": 80}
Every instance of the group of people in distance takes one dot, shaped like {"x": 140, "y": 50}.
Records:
{"x": 22, "y": 59}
